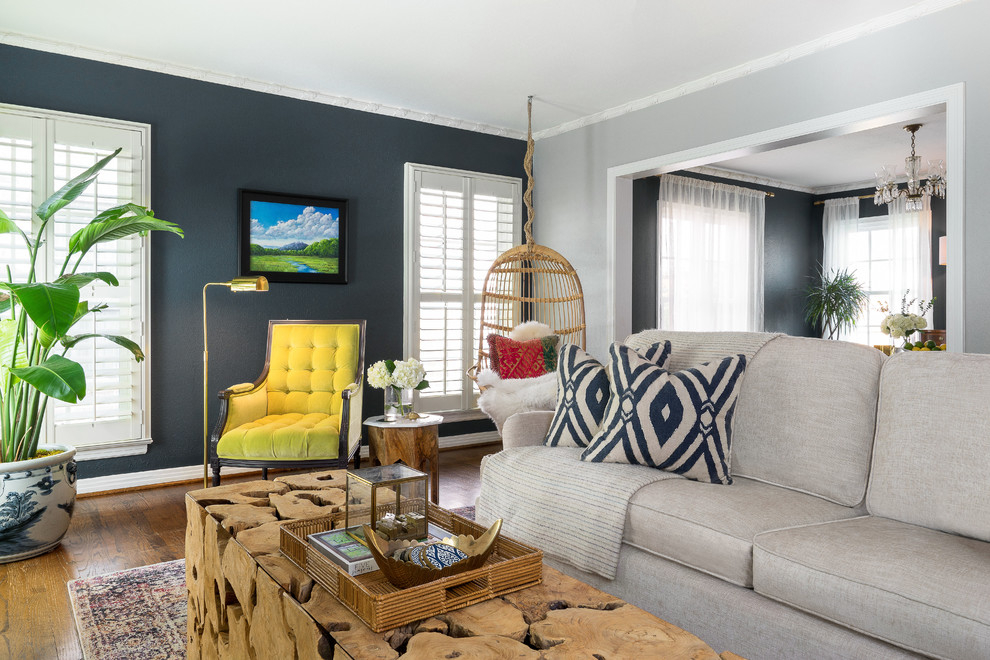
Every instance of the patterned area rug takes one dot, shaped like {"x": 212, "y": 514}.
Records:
{"x": 138, "y": 614}
{"x": 464, "y": 512}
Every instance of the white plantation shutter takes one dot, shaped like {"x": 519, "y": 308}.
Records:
{"x": 111, "y": 415}
{"x": 457, "y": 223}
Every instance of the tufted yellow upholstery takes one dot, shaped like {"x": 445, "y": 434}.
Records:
{"x": 294, "y": 412}
{"x": 280, "y": 437}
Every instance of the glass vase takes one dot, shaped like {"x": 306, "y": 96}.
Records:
{"x": 398, "y": 403}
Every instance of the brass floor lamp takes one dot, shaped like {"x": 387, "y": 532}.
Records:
{"x": 236, "y": 284}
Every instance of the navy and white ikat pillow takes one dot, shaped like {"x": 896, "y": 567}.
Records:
{"x": 583, "y": 392}
{"x": 675, "y": 421}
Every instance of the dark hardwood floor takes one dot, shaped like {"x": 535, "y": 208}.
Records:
{"x": 130, "y": 529}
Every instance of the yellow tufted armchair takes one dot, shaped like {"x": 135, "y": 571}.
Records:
{"x": 305, "y": 408}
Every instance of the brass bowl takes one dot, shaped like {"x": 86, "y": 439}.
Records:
{"x": 405, "y": 574}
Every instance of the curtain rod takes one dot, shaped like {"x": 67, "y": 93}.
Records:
{"x": 819, "y": 203}
{"x": 765, "y": 192}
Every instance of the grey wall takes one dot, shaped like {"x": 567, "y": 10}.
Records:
{"x": 789, "y": 254}
{"x": 209, "y": 140}
{"x": 571, "y": 167}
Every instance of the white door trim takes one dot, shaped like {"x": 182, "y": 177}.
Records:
{"x": 619, "y": 192}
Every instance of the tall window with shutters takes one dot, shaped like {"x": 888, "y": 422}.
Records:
{"x": 456, "y": 224}
{"x": 39, "y": 152}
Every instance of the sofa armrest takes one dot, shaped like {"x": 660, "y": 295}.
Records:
{"x": 526, "y": 429}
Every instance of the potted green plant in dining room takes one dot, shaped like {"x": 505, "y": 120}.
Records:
{"x": 37, "y": 317}
{"x": 834, "y": 300}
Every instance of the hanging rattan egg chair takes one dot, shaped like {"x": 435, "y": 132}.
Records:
{"x": 530, "y": 283}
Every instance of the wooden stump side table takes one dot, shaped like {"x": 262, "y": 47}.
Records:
{"x": 412, "y": 441}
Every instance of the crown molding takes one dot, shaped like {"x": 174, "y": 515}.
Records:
{"x": 754, "y": 66}
{"x": 777, "y": 183}
{"x": 266, "y": 87}
{"x": 749, "y": 178}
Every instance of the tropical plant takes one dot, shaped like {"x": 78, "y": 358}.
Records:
{"x": 835, "y": 300}
{"x": 36, "y": 317}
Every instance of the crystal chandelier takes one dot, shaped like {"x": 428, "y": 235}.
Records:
{"x": 916, "y": 191}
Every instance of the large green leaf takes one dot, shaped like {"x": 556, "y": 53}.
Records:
{"x": 70, "y": 191}
{"x": 82, "y": 309}
{"x": 135, "y": 350}
{"x": 58, "y": 377}
{"x": 8, "y": 226}
{"x": 52, "y": 307}
{"x": 83, "y": 279}
{"x": 120, "y": 227}
{"x": 8, "y": 331}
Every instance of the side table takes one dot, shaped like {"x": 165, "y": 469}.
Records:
{"x": 412, "y": 441}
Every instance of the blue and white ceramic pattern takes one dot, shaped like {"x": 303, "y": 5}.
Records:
{"x": 37, "y": 498}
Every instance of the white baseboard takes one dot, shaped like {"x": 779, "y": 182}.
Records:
{"x": 469, "y": 439}
{"x": 110, "y": 482}
{"x": 148, "y": 478}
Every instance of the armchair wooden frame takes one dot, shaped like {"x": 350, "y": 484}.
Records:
{"x": 344, "y": 453}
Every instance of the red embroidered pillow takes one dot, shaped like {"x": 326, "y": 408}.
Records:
{"x": 522, "y": 359}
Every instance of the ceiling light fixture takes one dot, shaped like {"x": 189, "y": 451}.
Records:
{"x": 888, "y": 191}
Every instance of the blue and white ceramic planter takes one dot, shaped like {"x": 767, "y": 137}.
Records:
{"x": 36, "y": 502}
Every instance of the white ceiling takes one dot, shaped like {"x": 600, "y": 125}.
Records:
{"x": 468, "y": 62}
{"x": 844, "y": 162}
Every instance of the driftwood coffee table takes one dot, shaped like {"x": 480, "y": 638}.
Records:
{"x": 247, "y": 600}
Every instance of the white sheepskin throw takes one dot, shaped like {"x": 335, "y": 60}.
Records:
{"x": 530, "y": 330}
{"x": 505, "y": 398}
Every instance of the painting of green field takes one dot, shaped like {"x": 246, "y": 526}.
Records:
{"x": 294, "y": 264}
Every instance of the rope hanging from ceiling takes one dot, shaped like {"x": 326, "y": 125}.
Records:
{"x": 530, "y": 282}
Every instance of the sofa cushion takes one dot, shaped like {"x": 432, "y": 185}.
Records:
{"x": 932, "y": 453}
{"x": 689, "y": 348}
{"x": 711, "y": 528}
{"x": 583, "y": 394}
{"x": 679, "y": 422}
{"x": 917, "y": 588}
{"x": 806, "y": 417}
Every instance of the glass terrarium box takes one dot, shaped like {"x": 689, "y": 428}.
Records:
{"x": 391, "y": 499}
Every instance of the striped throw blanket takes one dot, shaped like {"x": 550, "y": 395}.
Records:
{"x": 549, "y": 498}
{"x": 575, "y": 511}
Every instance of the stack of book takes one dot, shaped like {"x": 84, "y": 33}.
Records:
{"x": 347, "y": 548}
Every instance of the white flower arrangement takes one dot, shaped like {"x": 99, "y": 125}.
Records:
{"x": 394, "y": 376}
{"x": 904, "y": 324}
{"x": 409, "y": 374}
{"x": 402, "y": 375}
{"x": 379, "y": 376}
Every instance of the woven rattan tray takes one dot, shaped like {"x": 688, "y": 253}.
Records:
{"x": 512, "y": 566}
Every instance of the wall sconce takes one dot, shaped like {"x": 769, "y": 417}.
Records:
{"x": 942, "y": 251}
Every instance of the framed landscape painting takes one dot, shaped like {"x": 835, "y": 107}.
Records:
{"x": 293, "y": 238}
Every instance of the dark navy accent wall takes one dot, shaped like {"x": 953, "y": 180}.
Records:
{"x": 792, "y": 249}
{"x": 645, "y": 256}
{"x": 209, "y": 140}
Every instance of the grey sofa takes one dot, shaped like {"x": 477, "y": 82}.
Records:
{"x": 857, "y": 524}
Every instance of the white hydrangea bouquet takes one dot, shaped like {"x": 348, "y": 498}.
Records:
{"x": 398, "y": 377}
{"x": 903, "y": 324}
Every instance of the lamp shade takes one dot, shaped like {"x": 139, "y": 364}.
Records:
{"x": 249, "y": 284}
{"x": 943, "y": 251}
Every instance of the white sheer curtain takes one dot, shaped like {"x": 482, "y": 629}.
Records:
{"x": 711, "y": 255}
{"x": 910, "y": 253}
{"x": 840, "y": 222}
{"x": 889, "y": 254}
